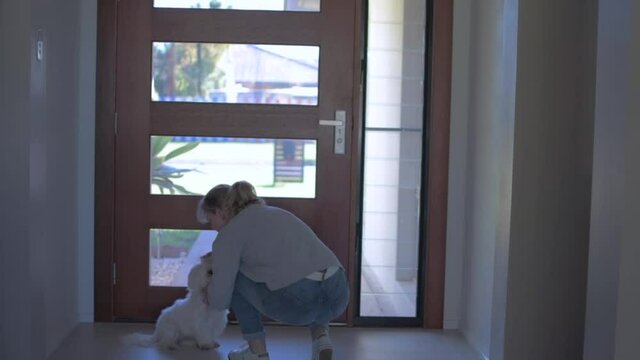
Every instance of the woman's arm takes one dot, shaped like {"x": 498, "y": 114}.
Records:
{"x": 226, "y": 254}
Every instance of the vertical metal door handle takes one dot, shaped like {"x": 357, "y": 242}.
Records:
{"x": 340, "y": 124}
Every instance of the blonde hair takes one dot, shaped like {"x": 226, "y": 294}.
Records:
{"x": 228, "y": 199}
{"x": 241, "y": 195}
{"x": 214, "y": 200}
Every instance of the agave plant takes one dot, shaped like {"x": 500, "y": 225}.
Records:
{"x": 162, "y": 175}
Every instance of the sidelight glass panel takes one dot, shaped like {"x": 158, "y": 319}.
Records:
{"x": 235, "y": 73}
{"x": 269, "y": 5}
{"x": 186, "y": 165}
{"x": 173, "y": 252}
{"x": 393, "y": 159}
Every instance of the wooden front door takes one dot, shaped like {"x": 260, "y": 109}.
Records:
{"x": 227, "y": 78}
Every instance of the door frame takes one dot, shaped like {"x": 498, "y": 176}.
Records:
{"x": 437, "y": 112}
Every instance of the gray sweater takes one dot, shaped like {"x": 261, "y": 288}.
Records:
{"x": 268, "y": 245}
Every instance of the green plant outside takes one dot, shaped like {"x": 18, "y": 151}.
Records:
{"x": 163, "y": 175}
{"x": 169, "y": 237}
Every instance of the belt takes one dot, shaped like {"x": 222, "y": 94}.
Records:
{"x": 323, "y": 274}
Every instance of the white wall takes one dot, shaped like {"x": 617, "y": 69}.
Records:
{"x": 614, "y": 274}
{"x": 47, "y": 147}
{"x": 480, "y": 172}
{"x": 481, "y": 180}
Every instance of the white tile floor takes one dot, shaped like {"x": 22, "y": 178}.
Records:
{"x": 103, "y": 341}
{"x": 383, "y": 295}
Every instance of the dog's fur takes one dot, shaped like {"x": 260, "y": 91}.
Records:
{"x": 190, "y": 318}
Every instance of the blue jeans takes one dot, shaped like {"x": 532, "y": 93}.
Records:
{"x": 304, "y": 303}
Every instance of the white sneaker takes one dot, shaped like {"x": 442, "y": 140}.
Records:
{"x": 322, "y": 348}
{"x": 244, "y": 353}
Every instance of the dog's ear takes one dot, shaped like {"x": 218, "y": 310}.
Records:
{"x": 207, "y": 258}
{"x": 198, "y": 277}
{"x": 192, "y": 280}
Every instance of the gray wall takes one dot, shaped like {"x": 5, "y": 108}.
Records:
{"x": 481, "y": 189}
{"x": 48, "y": 139}
{"x": 529, "y": 138}
{"x": 86, "y": 155}
{"x": 608, "y": 180}
{"x": 550, "y": 210}
{"x": 456, "y": 202}
{"x": 629, "y": 290}
{"x": 17, "y": 322}
{"x": 614, "y": 274}
{"x": 629, "y": 282}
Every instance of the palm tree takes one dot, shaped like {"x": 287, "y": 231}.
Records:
{"x": 162, "y": 175}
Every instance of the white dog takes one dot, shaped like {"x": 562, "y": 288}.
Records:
{"x": 190, "y": 318}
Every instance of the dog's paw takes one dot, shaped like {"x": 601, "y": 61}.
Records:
{"x": 205, "y": 347}
{"x": 208, "y": 346}
{"x": 168, "y": 346}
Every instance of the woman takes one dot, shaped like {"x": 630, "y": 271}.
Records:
{"x": 268, "y": 262}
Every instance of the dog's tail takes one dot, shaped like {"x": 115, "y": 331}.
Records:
{"x": 139, "y": 339}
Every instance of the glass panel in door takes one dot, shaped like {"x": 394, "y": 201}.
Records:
{"x": 191, "y": 165}
{"x": 269, "y": 5}
{"x": 235, "y": 73}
